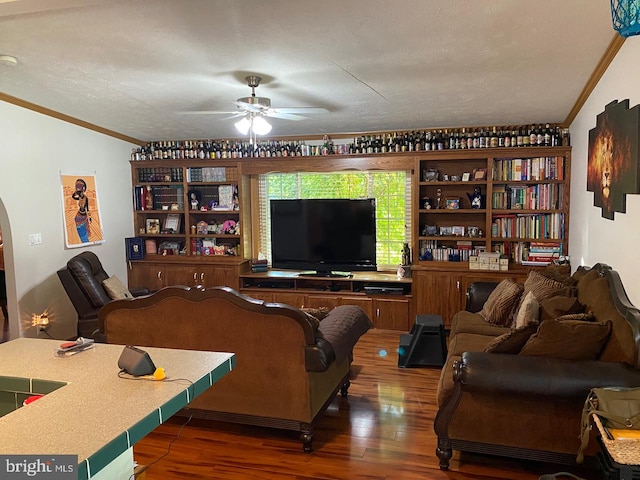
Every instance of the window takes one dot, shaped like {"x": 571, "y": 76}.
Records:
{"x": 391, "y": 189}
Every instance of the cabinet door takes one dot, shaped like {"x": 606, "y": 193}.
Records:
{"x": 391, "y": 314}
{"x": 439, "y": 293}
{"x": 219, "y": 277}
{"x": 297, "y": 300}
{"x": 365, "y": 303}
{"x": 182, "y": 275}
{"x": 317, "y": 301}
{"x": 142, "y": 275}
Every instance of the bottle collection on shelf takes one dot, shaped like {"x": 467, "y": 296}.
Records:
{"x": 462, "y": 138}
{"x": 535, "y": 135}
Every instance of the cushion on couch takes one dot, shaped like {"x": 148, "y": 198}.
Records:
{"x": 568, "y": 339}
{"x": 541, "y": 286}
{"x": 554, "y": 307}
{"x": 468, "y": 342}
{"x": 467, "y": 322}
{"x": 559, "y": 273}
{"x": 115, "y": 288}
{"x": 513, "y": 341}
{"x": 498, "y": 309}
{"x": 529, "y": 312}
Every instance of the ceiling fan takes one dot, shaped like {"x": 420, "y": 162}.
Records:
{"x": 255, "y": 106}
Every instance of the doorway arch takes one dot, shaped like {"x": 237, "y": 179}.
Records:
{"x": 12, "y": 304}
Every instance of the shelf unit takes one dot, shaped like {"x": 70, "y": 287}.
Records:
{"x": 184, "y": 255}
{"x": 192, "y": 213}
{"x": 537, "y": 178}
{"x": 436, "y": 287}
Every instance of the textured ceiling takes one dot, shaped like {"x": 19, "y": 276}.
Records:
{"x": 132, "y": 66}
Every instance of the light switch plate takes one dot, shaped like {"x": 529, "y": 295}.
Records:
{"x": 35, "y": 238}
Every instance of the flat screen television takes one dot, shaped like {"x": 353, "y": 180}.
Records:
{"x": 330, "y": 237}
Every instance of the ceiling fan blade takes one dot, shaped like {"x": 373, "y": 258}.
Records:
{"x": 285, "y": 116}
{"x": 209, "y": 112}
{"x": 303, "y": 110}
{"x": 250, "y": 107}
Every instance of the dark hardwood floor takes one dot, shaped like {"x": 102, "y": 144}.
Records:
{"x": 383, "y": 432}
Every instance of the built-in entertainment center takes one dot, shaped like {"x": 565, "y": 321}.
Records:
{"x": 197, "y": 218}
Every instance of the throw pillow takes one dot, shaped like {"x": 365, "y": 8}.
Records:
{"x": 498, "y": 309}
{"x": 554, "y": 307}
{"x": 115, "y": 288}
{"x": 585, "y": 317}
{"x": 541, "y": 286}
{"x": 568, "y": 339}
{"x": 559, "y": 273}
{"x": 529, "y": 312}
{"x": 511, "y": 342}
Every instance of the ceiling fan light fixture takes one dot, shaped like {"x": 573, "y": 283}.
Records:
{"x": 261, "y": 126}
{"x": 243, "y": 125}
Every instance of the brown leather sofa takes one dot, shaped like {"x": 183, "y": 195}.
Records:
{"x": 290, "y": 365}
{"x": 529, "y": 406}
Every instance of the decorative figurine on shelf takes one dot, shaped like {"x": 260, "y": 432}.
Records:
{"x": 406, "y": 254}
{"x": 426, "y": 203}
{"x": 229, "y": 227}
{"x": 476, "y": 198}
{"x": 439, "y": 199}
{"x": 194, "y": 198}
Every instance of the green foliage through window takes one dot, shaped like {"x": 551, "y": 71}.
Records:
{"x": 391, "y": 189}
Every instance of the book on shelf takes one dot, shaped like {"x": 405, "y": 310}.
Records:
{"x": 532, "y": 263}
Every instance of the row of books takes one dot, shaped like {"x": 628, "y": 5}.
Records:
{"x": 545, "y": 196}
{"x": 259, "y": 265}
{"x": 538, "y": 168}
{"x": 544, "y": 225}
{"x": 160, "y": 174}
{"x": 541, "y": 253}
{"x": 530, "y": 253}
{"x": 206, "y": 174}
{"x": 431, "y": 250}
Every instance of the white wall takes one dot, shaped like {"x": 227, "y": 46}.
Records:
{"x": 592, "y": 238}
{"x": 35, "y": 149}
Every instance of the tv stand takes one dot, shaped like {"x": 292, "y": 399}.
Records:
{"x": 322, "y": 274}
{"x": 384, "y": 297}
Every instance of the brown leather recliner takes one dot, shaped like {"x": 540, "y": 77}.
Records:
{"x": 82, "y": 280}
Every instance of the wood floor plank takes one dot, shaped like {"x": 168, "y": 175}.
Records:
{"x": 383, "y": 432}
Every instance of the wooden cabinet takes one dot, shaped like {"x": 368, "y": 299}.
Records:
{"x": 391, "y": 314}
{"x": 149, "y": 275}
{"x": 388, "y": 311}
{"x": 156, "y": 275}
{"x": 444, "y": 293}
{"x": 439, "y": 293}
{"x": 524, "y": 201}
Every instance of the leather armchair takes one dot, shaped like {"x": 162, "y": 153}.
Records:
{"x": 82, "y": 280}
